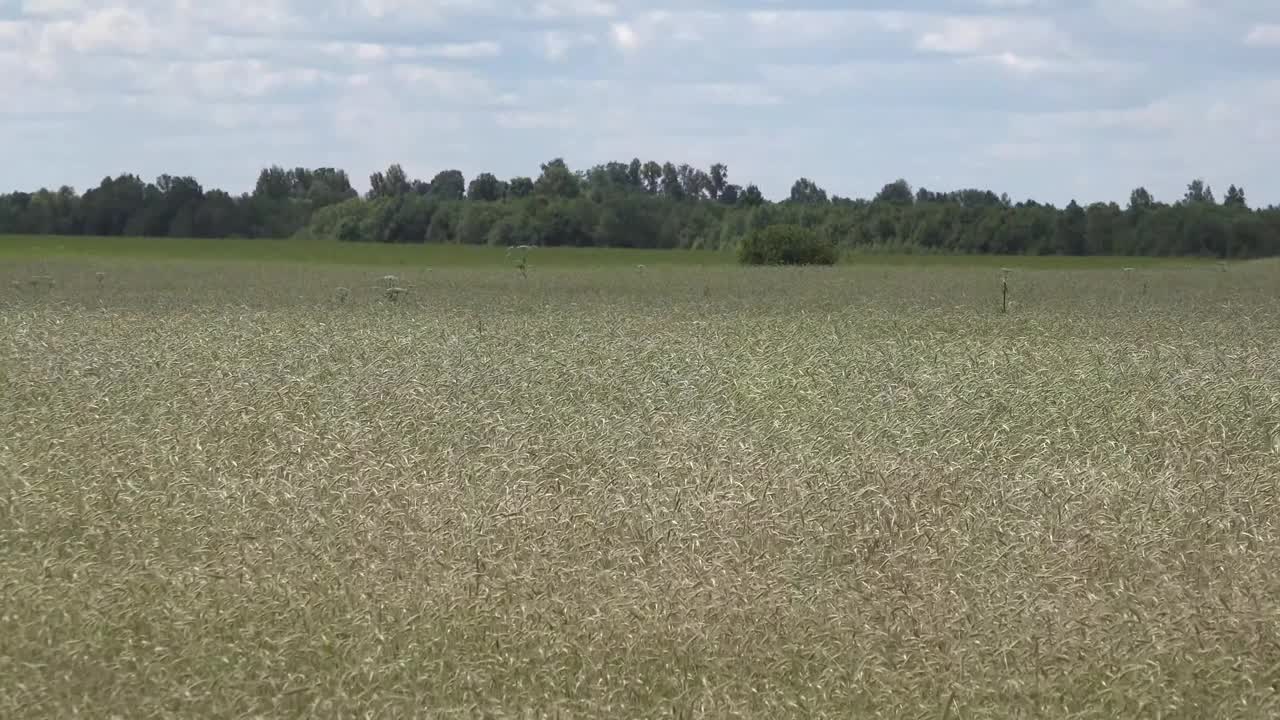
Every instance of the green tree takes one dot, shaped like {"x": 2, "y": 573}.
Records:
{"x": 1235, "y": 198}
{"x": 327, "y": 186}
{"x": 671, "y": 185}
{"x": 1070, "y": 230}
{"x": 520, "y": 187}
{"x": 694, "y": 183}
{"x": 635, "y": 174}
{"x": 557, "y": 181}
{"x": 1140, "y": 200}
{"x": 685, "y": 208}
{"x": 477, "y": 222}
{"x": 1198, "y": 192}
{"x": 786, "y": 244}
{"x": 897, "y": 192}
{"x": 806, "y": 192}
{"x": 1104, "y": 223}
{"x": 273, "y": 183}
{"x": 448, "y": 185}
{"x": 652, "y": 176}
{"x": 752, "y": 197}
{"x": 719, "y": 177}
{"x": 444, "y": 223}
{"x": 392, "y": 183}
{"x": 485, "y": 188}
{"x": 730, "y": 194}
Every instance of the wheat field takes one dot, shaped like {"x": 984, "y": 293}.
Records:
{"x": 267, "y": 490}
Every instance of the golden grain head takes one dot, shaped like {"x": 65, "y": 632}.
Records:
{"x": 603, "y": 493}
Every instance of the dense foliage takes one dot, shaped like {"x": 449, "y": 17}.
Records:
{"x": 642, "y": 204}
{"x": 786, "y": 245}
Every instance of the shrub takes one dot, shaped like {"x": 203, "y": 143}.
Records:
{"x": 349, "y": 230}
{"x": 786, "y": 245}
{"x": 328, "y": 221}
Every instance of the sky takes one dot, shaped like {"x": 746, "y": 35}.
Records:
{"x": 1045, "y": 99}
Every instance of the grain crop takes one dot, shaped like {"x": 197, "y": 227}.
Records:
{"x": 269, "y": 490}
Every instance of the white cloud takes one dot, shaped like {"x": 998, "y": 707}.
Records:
{"x": 1013, "y": 4}
{"x": 556, "y": 45}
{"x": 574, "y": 8}
{"x": 1263, "y": 35}
{"x": 536, "y": 119}
{"x": 434, "y": 12}
{"x": 446, "y": 85}
{"x": 1024, "y": 64}
{"x": 744, "y": 95}
{"x": 237, "y": 79}
{"x": 1028, "y": 65}
{"x": 240, "y": 116}
{"x": 624, "y": 36}
{"x": 1156, "y": 16}
{"x": 989, "y": 36}
{"x": 988, "y": 92}
{"x": 463, "y": 51}
{"x": 114, "y": 29}
{"x": 1153, "y": 117}
{"x": 813, "y": 79}
{"x": 261, "y": 17}
{"x": 800, "y": 28}
{"x": 1022, "y": 150}
{"x": 368, "y": 52}
{"x": 52, "y": 7}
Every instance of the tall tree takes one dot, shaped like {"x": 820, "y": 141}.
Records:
{"x": 605, "y": 210}
{"x": 485, "y": 187}
{"x": 693, "y": 181}
{"x": 520, "y": 187}
{"x": 392, "y": 183}
{"x": 719, "y": 180}
{"x": 671, "y": 186}
{"x": 1103, "y": 225}
{"x": 273, "y": 182}
{"x": 897, "y": 192}
{"x": 807, "y": 192}
{"x": 635, "y": 174}
{"x": 557, "y": 180}
{"x": 1140, "y": 200}
{"x": 448, "y": 185}
{"x": 1235, "y": 198}
{"x": 730, "y": 194}
{"x": 652, "y": 175}
{"x": 1198, "y": 192}
{"x": 1070, "y": 231}
{"x": 327, "y": 186}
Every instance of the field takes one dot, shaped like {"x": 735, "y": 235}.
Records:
{"x": 27, "y": 247}
{"x": 267, "y": 489}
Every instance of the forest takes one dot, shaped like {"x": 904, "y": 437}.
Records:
{"x": 643, "y": 205}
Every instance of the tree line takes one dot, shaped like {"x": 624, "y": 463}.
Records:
{"x": 644, "y": 205}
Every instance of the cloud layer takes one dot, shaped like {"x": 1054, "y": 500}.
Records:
{"x": 1040, "y": 98}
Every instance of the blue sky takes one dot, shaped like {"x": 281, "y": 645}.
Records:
{"x": 1038, "y": 98}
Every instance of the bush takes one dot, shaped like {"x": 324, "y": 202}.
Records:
{"x": 349, "y": 230}
{"x": 786, "y": 245}
{"x": 328, "y": 221}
